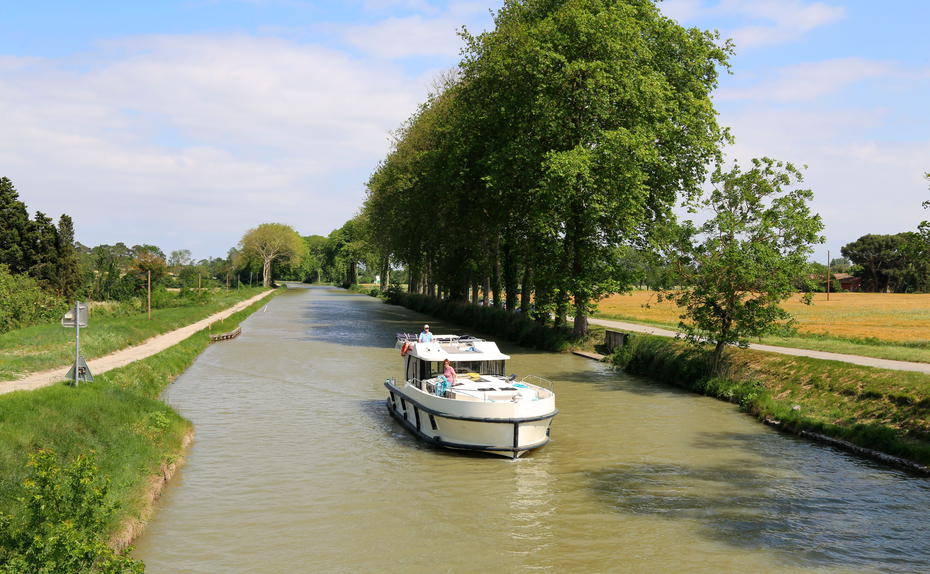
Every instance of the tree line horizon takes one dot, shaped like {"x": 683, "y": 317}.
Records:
{"x": 540, "y": 175}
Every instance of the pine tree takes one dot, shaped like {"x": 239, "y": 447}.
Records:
{"x": 16, "y": 230}
{"x": 68, "y": 273}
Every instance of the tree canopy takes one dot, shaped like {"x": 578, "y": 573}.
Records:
{"x": 747, "y": 257}
{"x": 567, "y": 131}
{"x": 37, "y": 247}
{"x": 271, "y": 242}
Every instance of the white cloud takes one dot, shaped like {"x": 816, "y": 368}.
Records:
{"x": 758, "y": 22}
{"x": 429, "y": 34}
{"x": 811, "y": 80}
{"x": 681, "y": 10}
{"x": 187, "y": 141}
{"x": 383, "y": 5}
{"x": 784, "y": 20}
{"x": 404, "y": 37}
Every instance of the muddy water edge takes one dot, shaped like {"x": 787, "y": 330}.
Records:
{"x": 297, "y": 467}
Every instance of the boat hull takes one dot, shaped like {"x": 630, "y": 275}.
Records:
{"x": 505, "y": 428}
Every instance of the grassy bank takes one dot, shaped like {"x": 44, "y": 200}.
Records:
{"x": 119, "y": 416}
{"x": 888, "y": 411}
{"x": 43, "y": 347}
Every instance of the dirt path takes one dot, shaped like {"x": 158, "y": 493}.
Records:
{"x": 854, "y": 359}
{"x": 128, "y": 355}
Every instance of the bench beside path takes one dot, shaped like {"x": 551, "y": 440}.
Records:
{"x": 128, "y": 355}
{"x": 842, "y": 357}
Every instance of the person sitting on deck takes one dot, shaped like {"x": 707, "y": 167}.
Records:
{"x": 448, "y": 372}
{"x": 425, "y": 336}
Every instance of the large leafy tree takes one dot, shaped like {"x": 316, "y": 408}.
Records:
{"x": 747, "y": 257}
{"x": 568, "y": 131}
{"x": 883, "y": 260}
{"x": 148, "y": 259}
{"x": 271, "y": 242}
{"x": 612, "y": 101}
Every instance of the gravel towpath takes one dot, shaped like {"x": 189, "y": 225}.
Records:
{"x": 854, "y": 359}
{"x": 128, "y": 355}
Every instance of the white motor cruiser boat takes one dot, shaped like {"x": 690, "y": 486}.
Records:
{"x": 485, "y": 411}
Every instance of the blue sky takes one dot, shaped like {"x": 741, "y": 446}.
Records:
{"x": 185, "y": 123}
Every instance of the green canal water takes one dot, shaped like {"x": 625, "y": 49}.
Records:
{"x": 297, "y": 467}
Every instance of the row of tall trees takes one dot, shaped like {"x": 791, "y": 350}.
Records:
{"x": 568, "y": 131}
{"x": 37, "y": 247}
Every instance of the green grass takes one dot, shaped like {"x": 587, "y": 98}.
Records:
{"x": 43, "y": 347}
{"x": 118, "y": 415}
{"x": 915, "y": 352}
{"x": 879, "y": 409}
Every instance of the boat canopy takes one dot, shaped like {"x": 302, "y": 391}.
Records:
{"x": 453, "y": 347}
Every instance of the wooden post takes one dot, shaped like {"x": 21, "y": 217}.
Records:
{"x": 150, "y": 294}
{"x": 828, "y": 274}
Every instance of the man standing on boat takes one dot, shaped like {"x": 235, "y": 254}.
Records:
{"x": 425, "y": 336}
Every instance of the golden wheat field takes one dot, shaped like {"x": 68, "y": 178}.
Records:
{"x": 885, "y": 316}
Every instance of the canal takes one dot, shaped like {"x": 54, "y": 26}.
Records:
{"x": 297, "y": 467}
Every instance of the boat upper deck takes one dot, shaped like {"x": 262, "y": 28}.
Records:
{"x": 453, "y": 347}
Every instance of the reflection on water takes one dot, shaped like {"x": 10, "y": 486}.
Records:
{"x": 297, "y": 467}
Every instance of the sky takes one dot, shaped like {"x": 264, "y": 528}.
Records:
{"x": 184, "y": 123}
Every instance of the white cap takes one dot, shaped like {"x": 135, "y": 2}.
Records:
{"x": 426, "y": 326}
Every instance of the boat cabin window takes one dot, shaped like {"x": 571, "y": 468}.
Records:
{"x": 417, "y": 369}
{"x": 480, "y": 367}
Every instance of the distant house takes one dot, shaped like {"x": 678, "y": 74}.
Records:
{"x": 848, "y": 282}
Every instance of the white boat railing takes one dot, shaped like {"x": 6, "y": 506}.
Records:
{"x": 538, "y": 381}
{"x": 414, "y": 337}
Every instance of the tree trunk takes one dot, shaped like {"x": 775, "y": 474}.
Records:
{"x": 581, "y": 321}
{"x": 486, "y": 289}
{"x": 474, "y": 291}
{"x": 352, "y": 274}
{"x": 385, "y": 273}
{"x": 266, "y": 271}
{"x": 510, "y": 276}
{"x": 561, "y": 308}
{"x": 496, "y": 272}
{"x": 716, "y": 358}
{"x": 526, "y": 289}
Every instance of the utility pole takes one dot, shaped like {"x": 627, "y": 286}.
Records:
{"x": 150, "y": 294}
{"x": 828, "y": 274}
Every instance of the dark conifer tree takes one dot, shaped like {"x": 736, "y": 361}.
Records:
{"x": 69, "y": 269}
{"x": 15, "y": 230}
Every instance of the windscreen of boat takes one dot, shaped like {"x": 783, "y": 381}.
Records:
{"x": 480, "y": 367}
{"x": 417, "y": 369}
